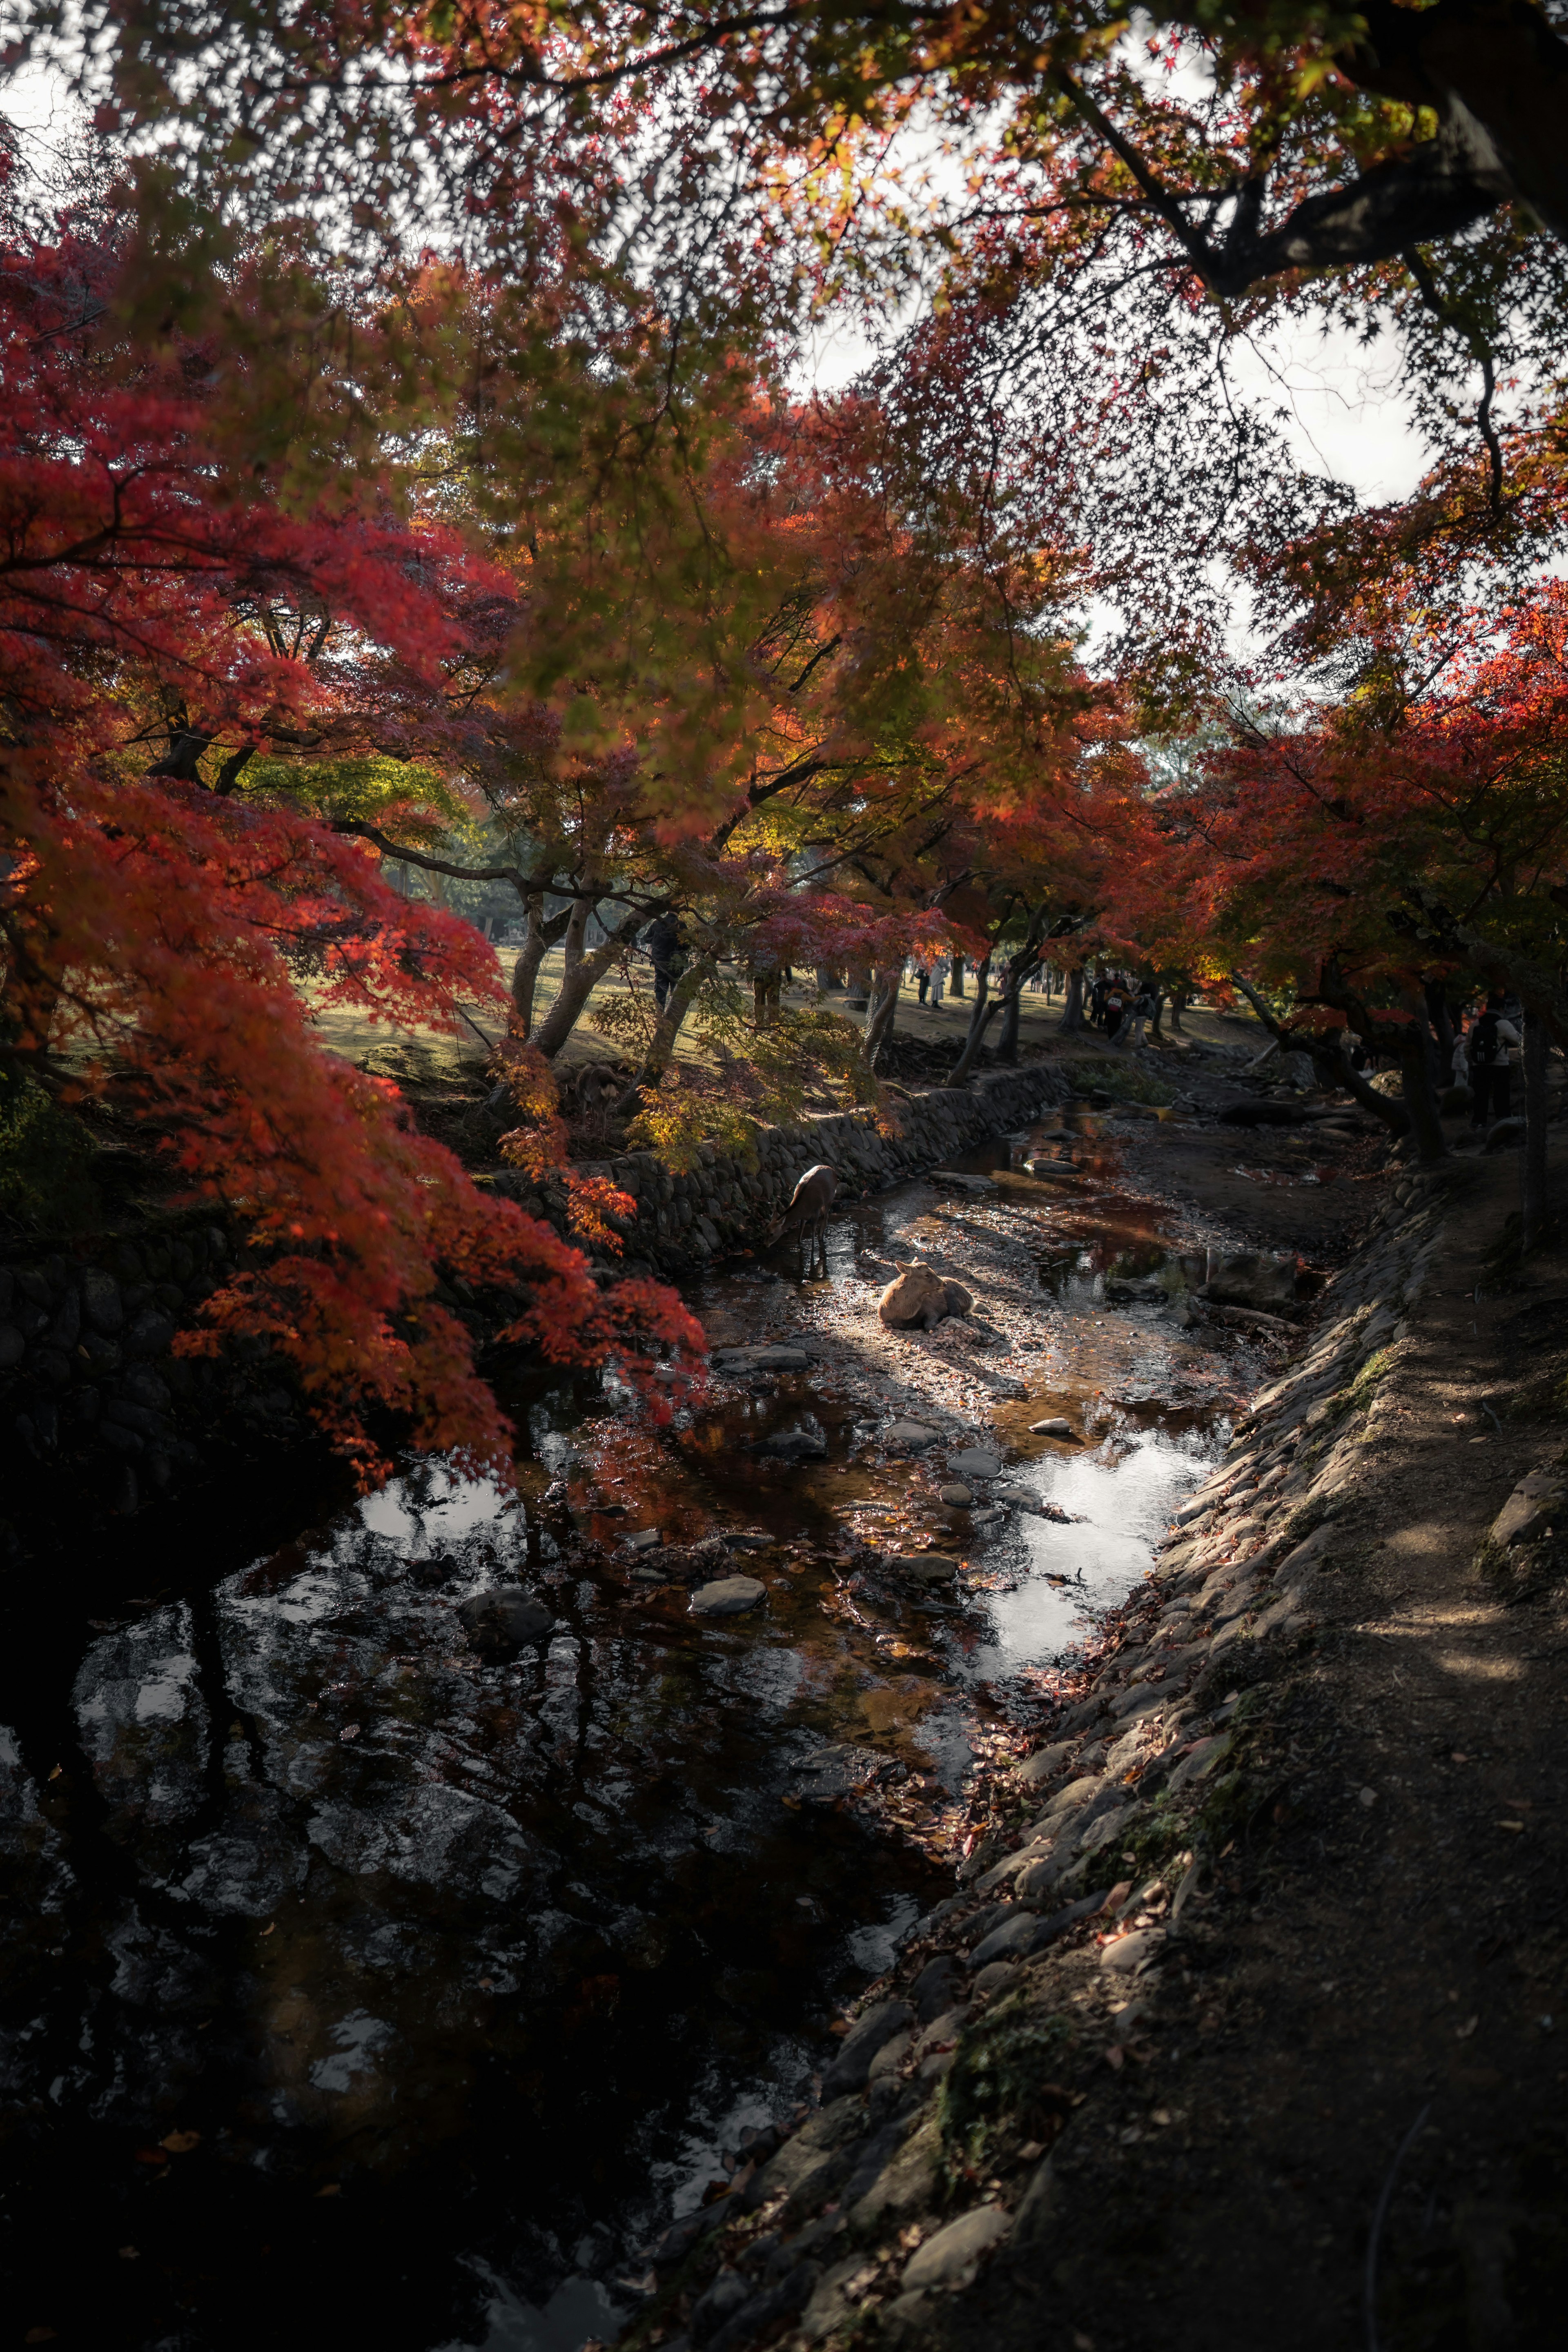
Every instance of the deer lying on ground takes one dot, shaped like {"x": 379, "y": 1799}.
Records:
{"x": 809, "y": 1206}
{"x": 920, "y": 1298}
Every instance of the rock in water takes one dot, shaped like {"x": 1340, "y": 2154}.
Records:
{"x": 973, "y": 1463}
{"x": 913, "y": 1433}
{"x": 794, "y": 1445}
{"x": 502, "y": 1621}
{"x": 1250, "y": 1279}
{"x": 955, "y": 1495}
{"x": 837, "y": 1772}
{"x": 1054, "y": 1428}
{"x": 729, "y": 1596}
{"x": 927, "y": 1566}
{"x": 696, "y": 1563}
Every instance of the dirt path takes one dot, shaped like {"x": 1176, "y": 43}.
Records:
{"x": 1303, "y": 2086}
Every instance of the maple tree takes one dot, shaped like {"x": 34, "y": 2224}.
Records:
{"x": 1367, "y": 862}
{"x": 167, "y": 620}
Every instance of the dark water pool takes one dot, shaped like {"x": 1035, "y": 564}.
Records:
{"x": 355, "y": 1988}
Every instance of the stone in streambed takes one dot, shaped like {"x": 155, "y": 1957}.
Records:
{"x": 505, "y": 1620}
{"x": 729, "y": 1596}
{"x": 913, "y": 1433}
{"x": 925, "y": 1566}
{"x": 794, "y": 1445}
{"x": 973, "y": 1464}
{"x": 1056, "y": 1427}
{"x": 954, "y": 1495}
{"x": 640, "y": 1539}
{"x": 835, "y": 1772}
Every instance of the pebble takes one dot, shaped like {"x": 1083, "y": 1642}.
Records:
{"x": 1054, "y": 1428}
{"x": 728, "y": 1597}
{"x": 927, "y": 1566}
{"x": 640, "y": 1539}
{"x": 910, "y": 1433}
{"x": 954, "y": 1493}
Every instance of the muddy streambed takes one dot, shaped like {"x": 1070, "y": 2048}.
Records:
{"x": 357, "y": 1986}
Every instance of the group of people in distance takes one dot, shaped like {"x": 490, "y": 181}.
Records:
{"x": 1122, "y": 1008}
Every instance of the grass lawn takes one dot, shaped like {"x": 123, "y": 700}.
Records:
{"x": 425, "y": 1054}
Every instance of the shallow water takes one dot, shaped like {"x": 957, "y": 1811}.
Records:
{"x": 465, "y": 1975}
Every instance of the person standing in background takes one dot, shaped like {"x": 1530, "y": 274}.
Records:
{"x": 1489, "y": 1049}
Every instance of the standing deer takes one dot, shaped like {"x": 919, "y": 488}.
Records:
{"x": 808, "y": 1210}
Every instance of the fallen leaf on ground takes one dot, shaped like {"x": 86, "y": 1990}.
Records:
{"x": 180, "y": 2143}
{"x": 1468, "y": 2028}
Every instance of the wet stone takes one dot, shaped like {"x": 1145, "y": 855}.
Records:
{"x": 837, "y": 1772}
{"x": 1056, "y": 1427}
{"x": 729, "y": 1596}
{"x": 954, "y": 1495}
{"x": 972, "y": 1463}
{"x": 913, "y": 1433}
{"x": 505, "y": 1620}
{"x": 794, "y": 1445}
{"x": 924, "y": 1567}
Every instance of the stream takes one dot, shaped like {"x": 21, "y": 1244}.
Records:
{"x": 356, "y": 1987}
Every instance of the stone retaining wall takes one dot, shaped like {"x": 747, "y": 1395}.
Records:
{"x": 723, "y": 1205}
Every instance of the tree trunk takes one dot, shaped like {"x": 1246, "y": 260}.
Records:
{"x": 881, "y": 1013}
{"x": 1159, "y": 1013}
{"x": 1333, "y": 1065}
{"x": 677, "y": 1004}
{"x": 1442, "y": 1027}
{"x": 1420, "y": 1100}
{"x": 541, "y": 937}
{"x": 1534, "y": 1202}
{"x": 956, "y": 984}
{"x": 578, "y": 986}
{"x": 1012, "y": 1005}
{"x": 986, "y": 1008}
{"x": 576, "y": 929}
{"x": 827, "y": 978}
{"x": 1072, "y": 1010}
